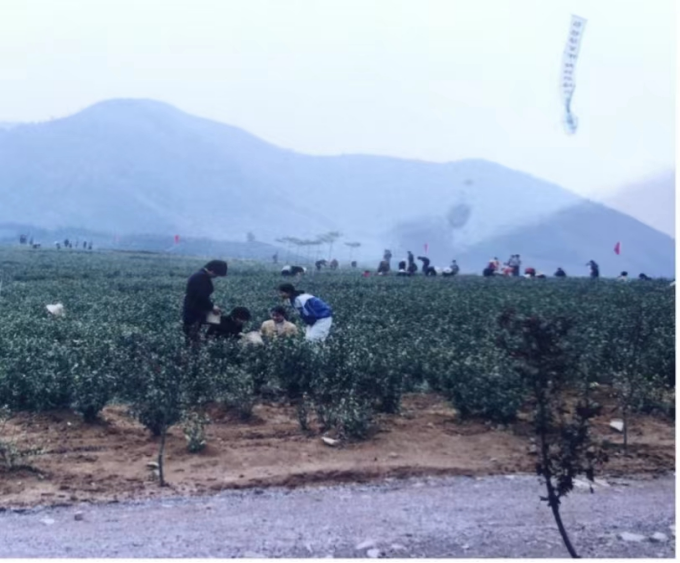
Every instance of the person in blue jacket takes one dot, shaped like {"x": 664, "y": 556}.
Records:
{"x": 197, "y": 303}
{"x": 317, "y": 315}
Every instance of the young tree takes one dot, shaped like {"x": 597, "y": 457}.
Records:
{"x": 167, "y": 381}
{"x": 539, "y": 355}
{"x": 629, "y": 354}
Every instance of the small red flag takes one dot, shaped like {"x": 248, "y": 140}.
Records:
{"x": 176, "y": 239}
{"x": 617, "y": 248}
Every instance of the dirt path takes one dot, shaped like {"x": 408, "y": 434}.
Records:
{"x": 108, "y": 460}
{"x": 430, "y": 517}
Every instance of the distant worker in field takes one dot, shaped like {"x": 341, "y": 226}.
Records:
{"x": 412, "y": 267}
{"x": 320, "y": 264}
{"x": 197, "y": 303}
{"x": 387, "y": 257}
{"x": 315, "y": 313}
{"x": 514, "y": 264}
{"x": 560, "y": 273}
{"x": 594, "y": 269}
{"x": 496, "y": 264}
{"x": 623, "y": 276}
{"x": 383, "y": 268}
{"x": 427, "y": 269}
{"x": 452, "y": 270}
{"x": 334, "y": 264}
{"x": 292, "y": 271}
{"x": 529, "y": 272}
{"x": 644, "y": 277}
{"x": 278, "y": 325}
{"x": 353, "y": 264}
{"x": 231, "y": 325}
{"x": 401, "y": 271}
{"x": 275, "y": 258}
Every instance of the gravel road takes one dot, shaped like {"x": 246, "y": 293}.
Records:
{"x": 499, "y": 516}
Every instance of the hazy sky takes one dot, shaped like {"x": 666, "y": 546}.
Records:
{"x": 435, "y": 80}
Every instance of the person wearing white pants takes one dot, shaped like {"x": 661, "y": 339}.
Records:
{"x": 316, "y": 314}
{"x": 319, "y": 330}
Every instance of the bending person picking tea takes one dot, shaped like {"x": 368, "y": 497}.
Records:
{"x": 316, "y": 314}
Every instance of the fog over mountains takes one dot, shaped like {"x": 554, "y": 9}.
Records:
{"x": 133, "y": 167}
{"x": 651, "y": 201}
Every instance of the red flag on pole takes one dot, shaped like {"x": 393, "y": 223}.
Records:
{"x": 176, "y": 239}
{"x": 617, "y": 248}
{"x": 426, "y": 248}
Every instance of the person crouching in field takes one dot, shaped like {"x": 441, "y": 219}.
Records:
{"x": 278, "y": 325}
{"x": 288, "y": 271}
{"x": 197, "y": 303}
{"x": 231, "y": 326}
{"x": 316, "y": 314}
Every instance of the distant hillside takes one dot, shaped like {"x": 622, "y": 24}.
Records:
{"x": 150, "y": 243}
{"x": 125, "y": 167}
{"x": 572, "y": 237}
{"x": 651, "y": 201}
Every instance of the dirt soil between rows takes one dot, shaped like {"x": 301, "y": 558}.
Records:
{"x": 108, "y": 460}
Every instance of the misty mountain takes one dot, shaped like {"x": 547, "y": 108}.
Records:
{"x": 125, "y": 167}
{"x": 651, "y": 201}
{"x": 574, "y": 236}
{"x": 139, "y": 166}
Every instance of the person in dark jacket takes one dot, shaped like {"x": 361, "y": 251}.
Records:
{"x": 231, "y": 326}
{"x": 197, "y": 303}
{"x": 594, "y": 269}
{"x": 289, "y": 271}
{"x": 383, "y": 268}
{"x": 560, "y": 273}
{"x": 412, "y": 267}
{"x": 317, "y": 315}
{"x": 427, "y": 269}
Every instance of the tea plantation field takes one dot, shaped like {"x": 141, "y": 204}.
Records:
{"x": 121, "y": 339}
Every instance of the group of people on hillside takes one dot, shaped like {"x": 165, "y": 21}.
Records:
{"x": 510, "y": 268}
{"x": 409, "y": 267}
{"x": 199, "y": 310}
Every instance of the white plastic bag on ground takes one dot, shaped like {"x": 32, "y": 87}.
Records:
{"x": 57, "y": 309}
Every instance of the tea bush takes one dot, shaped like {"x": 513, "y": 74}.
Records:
{"x": 121, "y": 339}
